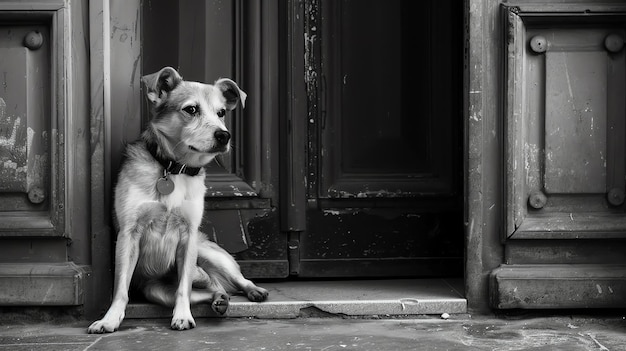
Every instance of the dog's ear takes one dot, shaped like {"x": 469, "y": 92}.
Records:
{"x": 231, "y": 92}
{"x": 159, "y": 83}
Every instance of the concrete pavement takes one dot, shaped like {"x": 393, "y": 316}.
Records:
{"x": 401, "y": 314}
{"x": 459, "y": 332}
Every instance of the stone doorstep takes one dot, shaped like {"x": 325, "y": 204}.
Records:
{"x": 63, "y": 284}
{"x": 374, "y": 298}
{"x": 42, "y": 284}
{"x": 558, "y": 286}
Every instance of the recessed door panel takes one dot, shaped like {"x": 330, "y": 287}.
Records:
{"x": 387, "y": 108}
{"x": 576, "y": 120}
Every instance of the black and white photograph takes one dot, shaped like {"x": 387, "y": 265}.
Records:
{"x": 260, "y": 175}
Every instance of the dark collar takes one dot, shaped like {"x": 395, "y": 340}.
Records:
{"x": 171, "y": 166}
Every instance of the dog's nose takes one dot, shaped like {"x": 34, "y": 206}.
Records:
{"x": 222, "y": 137}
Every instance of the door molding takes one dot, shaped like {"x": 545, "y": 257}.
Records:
{"x": 555, "y": 189}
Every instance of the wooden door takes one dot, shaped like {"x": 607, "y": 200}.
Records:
{"x": 347, "y": 157}
{"x": 382, "y": 194}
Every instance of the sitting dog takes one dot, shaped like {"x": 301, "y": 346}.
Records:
{"x": 159, "y": 201}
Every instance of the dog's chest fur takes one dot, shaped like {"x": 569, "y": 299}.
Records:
{"x": 137, "y": 192}
{"x": 186, "y": 188}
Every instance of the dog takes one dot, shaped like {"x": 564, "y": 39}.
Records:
{"x": 159, "y": 202}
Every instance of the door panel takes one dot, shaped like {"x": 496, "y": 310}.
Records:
{"x": 565, "y": 126}
{"x": 575, "y": 136}
{"x": 25, "y": 131}
{"x": 383, "y": 141}
{"x": 378, "y": 242}
{"x": 379, "y": 136}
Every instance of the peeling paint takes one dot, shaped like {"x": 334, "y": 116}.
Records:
{"x": 531, "y": 162}
{"x": 383, "y": 193}
{"x": 13, "y": 152}
{"x": 11, "y": 132}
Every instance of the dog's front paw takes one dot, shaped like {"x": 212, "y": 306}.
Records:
{"x": 220, "y": 303}
{"x": 182, "y": 318}
{"x": 257, "y": 294}
{"x": 102, "y": 326}
{"x": 183, "y": 323}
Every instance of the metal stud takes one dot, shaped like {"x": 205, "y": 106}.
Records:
{"x": 537, "y": 199}
{"x": 614, "y": 43}
{"x": 538, "y": 44}
{"x": 615, "y": 196}
{"x": 36, "y": 195}
{"x": 33, "y": 40}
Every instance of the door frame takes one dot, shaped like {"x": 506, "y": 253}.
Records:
{"x": 483, "y": 150}
{"x": 482, "y": 157}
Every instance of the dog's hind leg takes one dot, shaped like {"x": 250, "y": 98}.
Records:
{"x": 222, "y": 266}
{"x": 211, "y": 291}
{"x": 162, "y": 293}
{"x": 126, "y": 256}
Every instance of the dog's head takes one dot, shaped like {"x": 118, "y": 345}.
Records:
{"x": 188, "y": 117}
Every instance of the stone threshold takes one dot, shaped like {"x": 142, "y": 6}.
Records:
{"x": 358, "y": 298}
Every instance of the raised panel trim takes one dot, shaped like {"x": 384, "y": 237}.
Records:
{"x": 227, "y": 185}
{"x": 23, "y": 225}
{"x": 531, "y": 11}
{"x": 54, "y": 221}
{"x": 362, "y": 188}
{"x": 30, "y": 5}
{"x": 520, "y": 222}
{"x": 573, "y": 226}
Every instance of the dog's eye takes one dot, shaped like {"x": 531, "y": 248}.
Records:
{"x": 221, "y": 113}
{"x": 192, "y": 110}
